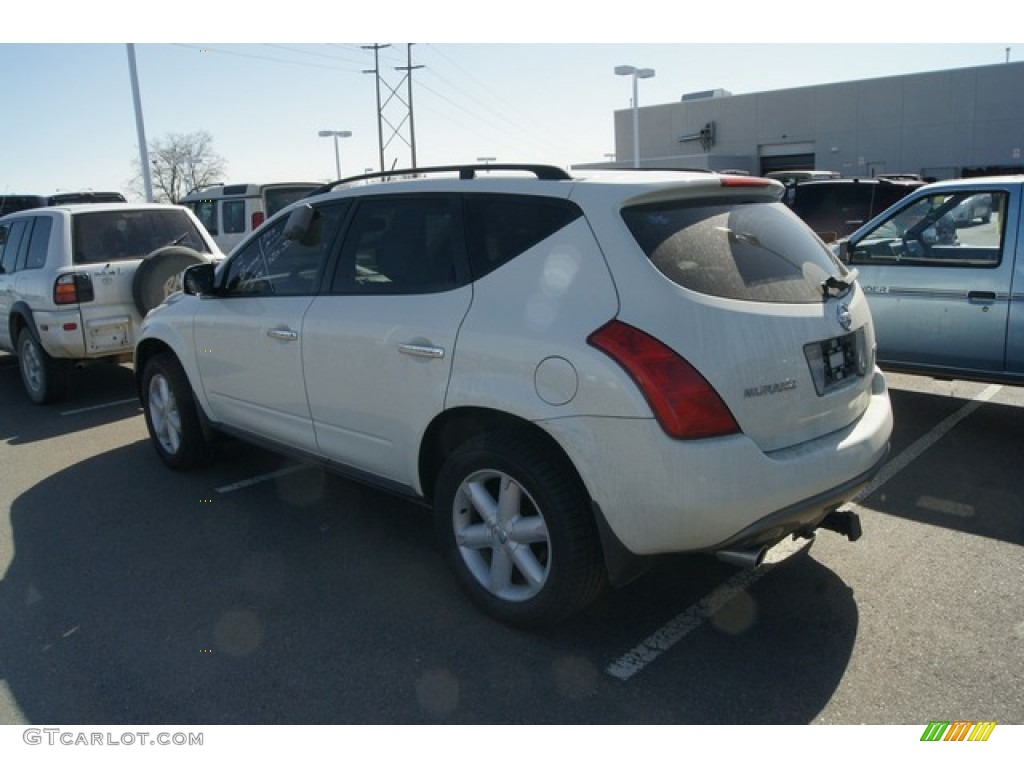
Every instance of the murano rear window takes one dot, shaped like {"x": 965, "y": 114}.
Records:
{"x": 748, "y": 251}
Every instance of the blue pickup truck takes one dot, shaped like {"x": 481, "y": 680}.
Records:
{"x": 945, "y": 281}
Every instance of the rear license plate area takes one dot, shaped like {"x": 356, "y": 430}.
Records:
{"x": 836, "y": 361}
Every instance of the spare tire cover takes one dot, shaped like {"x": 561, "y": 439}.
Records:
{"x": 159, "y": 275}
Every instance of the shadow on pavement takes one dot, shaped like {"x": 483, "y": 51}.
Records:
{"x": 145, "y": 597}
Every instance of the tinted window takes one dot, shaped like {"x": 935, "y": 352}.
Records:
{"x": 272, "y": 265}
{"x": 131, "y": 234}
{"x": 232, "y": 213}
{"x": 755, "y": 251}
{"x": 14, "y": 234}
{"x": 13, "y": 203}
{"x": 961, "y": 229}
{"x": 500, "y": 227}
{"x": 68, "y": 198}
{"x": 206, "y": 212}
{"x": 402, "y": 245}
{"x": 280, "y": 198}
{"x": 39, "y": 243}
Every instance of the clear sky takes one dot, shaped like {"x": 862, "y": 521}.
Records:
{"x": 265, "y": 90}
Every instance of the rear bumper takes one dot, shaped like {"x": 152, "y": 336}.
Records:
{"x": 657, "y": 495}
{"x": 66, "y": 334}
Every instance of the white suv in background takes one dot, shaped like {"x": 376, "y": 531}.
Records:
{"x": 230, "y": 212}
{"x": 576, "y": 373}
{"x": 76, "y": 280}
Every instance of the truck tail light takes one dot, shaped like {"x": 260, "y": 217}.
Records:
{"x": 73, "y": 289}
{"x": 257, "y": 219}
{"x": 686, "y": 406}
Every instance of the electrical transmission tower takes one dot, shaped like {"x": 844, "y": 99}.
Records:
{"x": 395, "y": 111}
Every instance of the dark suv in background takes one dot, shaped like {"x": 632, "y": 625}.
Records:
{"x": 834, "y": 208}
{"x": 15, "y": 203}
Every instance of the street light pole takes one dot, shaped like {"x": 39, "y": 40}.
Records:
{"x": 337, "y": 154}
{"x": 637, "y": 74}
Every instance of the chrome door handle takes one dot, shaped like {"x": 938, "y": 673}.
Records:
{"x": 421, "y": 350}
{"x": 283, "y": 334}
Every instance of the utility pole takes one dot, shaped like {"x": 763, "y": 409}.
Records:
{"x": 140, "y": 126}
{"x": 400, "y": 109}
{"x": 412, "y": 125}
{"x": 380, "y": 115}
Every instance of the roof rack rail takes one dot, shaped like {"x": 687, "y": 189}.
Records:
{"x": 466, "y": 171}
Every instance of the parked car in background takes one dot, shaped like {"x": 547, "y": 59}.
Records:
{"x": 834, "y": 208}
{"x": 76, "y": 280}
{"x": 974, "y": 208}
{"x": 15, "y": 203}
{"x": 791, "y": 177}
{"x": 573, "y": 371}
{"x": 943, "y": 273}
{"x": 231, "y": 211}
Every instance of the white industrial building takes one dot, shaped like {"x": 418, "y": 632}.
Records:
{"x": 939, "y": 125}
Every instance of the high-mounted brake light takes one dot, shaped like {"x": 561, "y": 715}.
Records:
{"x": 686, "y": 406}
{"x": 745, "y": 181}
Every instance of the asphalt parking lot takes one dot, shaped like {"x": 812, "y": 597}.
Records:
{"x": 260, "y": 591}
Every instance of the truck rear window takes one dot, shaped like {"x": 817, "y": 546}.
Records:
{"x": 131, "y": 234}
{"x": 748, "y": 251}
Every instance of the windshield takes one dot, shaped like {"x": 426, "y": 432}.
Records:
{"x": 749, "y": 251}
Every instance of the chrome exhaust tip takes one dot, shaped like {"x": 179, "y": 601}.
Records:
{"x": 742, "y": 558}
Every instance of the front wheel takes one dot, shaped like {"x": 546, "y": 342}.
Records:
{"x": 171, "y": 414}
{"x": 515, "y": 524}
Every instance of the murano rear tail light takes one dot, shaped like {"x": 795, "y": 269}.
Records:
{"x": 686, "y": 406}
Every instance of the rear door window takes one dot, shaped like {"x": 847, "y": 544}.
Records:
{"x": 13, "y": 237}
{"x": 748, "y": 251}
{"x": 403, "y": 245}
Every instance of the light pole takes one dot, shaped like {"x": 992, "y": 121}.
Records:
{"x": 337, "y": 156}
{"x": 637, "y": 74}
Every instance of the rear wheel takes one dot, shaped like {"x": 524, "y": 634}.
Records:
{"x": 44, "y": 378}
{"x": 171, "y": 414}
{"x": 516, "y": 525}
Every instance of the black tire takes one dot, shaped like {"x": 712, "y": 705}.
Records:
{"x": 45, "y": 379}
{"x": 172, "y": 418}
{"x": 542, "y": 562}
{"x": 159, "y": 275}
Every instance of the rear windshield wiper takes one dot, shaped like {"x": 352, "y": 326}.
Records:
{"x": 835, "y": 287}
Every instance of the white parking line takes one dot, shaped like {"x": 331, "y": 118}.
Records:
{"x": 98, "y": 407}
{"x": 262, "y": 478}
{"x": 636, "y": 659}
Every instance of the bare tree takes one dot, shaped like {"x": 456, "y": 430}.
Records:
{"x": 180, "y": 163}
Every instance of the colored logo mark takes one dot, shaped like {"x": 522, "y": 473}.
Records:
{"x": 958, "y": 730}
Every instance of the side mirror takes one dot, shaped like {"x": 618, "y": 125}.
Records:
{"x": 843, "y": 250}
{"x": 198, "y": 280}
{"x": 299, "y": 221}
